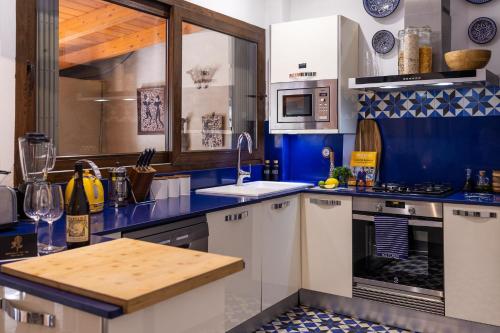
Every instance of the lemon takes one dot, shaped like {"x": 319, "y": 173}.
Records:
{"x": 330, "y": 186}
{"x": 332, "y": 181}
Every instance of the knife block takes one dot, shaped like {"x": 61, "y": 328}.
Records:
{"x": 140, "y": 183}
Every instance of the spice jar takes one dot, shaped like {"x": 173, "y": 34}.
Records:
{"x": 410, "y": 49}
{"x": 425, "y": 50}
{"x": 401, "y": 52}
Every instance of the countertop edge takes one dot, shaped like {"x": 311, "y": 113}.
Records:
{"x": 86, "y": 304}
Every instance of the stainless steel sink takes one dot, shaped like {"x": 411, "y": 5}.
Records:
{"x": 253, "y": 189}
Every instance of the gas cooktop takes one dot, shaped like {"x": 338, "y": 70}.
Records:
{"x": 431, "y": 189}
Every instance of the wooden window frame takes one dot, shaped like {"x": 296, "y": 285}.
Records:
{"x": 174, "y": 160}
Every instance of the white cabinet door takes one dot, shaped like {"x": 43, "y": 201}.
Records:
{"x": 280, "y": 220}
{"x": 66, "y": 319}
{"x": 300, "y": 42}
{"x": 472, "y": 263}
{"x": 235, "y": 232}
{"x": 327, "y": 244}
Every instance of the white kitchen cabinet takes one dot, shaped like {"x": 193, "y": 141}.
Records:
{"x": 327, "y": 244}
{"x": 236, "y": 232}
{"x": 66, "y": 319}
{"x": 472, "y": 263}
{"x": 281, "y": 276}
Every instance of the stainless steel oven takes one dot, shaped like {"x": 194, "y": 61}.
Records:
{"x": 416, "y": 282}
{"x": 303, "y": 105}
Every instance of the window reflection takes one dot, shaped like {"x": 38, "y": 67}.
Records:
{"x": 112, "y": 96}
{"x": 219, "y": 86}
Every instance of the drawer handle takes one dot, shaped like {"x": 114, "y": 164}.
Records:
{"x": 27, "y": 317}
{"x": 325, "y": 202}
{"x": 482, "y": 215}
{"x": 281, "y": 205}
{"x": 236, "y": 217}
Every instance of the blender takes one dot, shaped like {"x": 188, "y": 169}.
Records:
{"x": 37, "y": 155}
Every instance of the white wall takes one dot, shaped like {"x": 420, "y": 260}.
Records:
{"x": 7, "y": 87}
{"x": 251, "y": 11}
{"x": 370, "y": 63}
{"x": 462, "y": 14}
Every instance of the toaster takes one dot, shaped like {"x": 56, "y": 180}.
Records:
{"x": 8, "y": 206}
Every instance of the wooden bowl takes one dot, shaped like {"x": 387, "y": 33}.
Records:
{"x": 461, "y": 60}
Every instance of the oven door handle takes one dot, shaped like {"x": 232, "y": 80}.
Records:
{"x": 415, "y": 223}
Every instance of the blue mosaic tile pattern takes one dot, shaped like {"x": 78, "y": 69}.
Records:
{"x": 306, "y": 319}
{"x": 461, "y": 102}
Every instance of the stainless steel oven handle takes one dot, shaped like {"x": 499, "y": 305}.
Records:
{"x": 325, "y": 202}
{"x": 481, "y": 215}
{"x": 415, "y": 223}
{"x": 280, "y": 205}
{"x": 27, "y": 317}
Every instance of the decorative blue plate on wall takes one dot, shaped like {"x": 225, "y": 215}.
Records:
{"x": 380, "y": 8}
{"x": 478, "y": 2}
{"x": 383, "y": 41}
{"x": 482, "y": 30}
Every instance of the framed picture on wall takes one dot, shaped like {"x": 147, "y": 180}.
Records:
{"x": 151, "y": 110}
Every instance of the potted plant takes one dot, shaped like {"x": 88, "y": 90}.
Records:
{"x": 342, "y": 174}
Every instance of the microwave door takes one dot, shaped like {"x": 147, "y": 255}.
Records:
{"x": 296, "y": 106}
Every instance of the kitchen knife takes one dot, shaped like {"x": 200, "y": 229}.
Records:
{"x": 146, "y": 156}
{"x": 140, "y": 160}
{"x": 147, "y": 159}
{"x": 153, "y": 151}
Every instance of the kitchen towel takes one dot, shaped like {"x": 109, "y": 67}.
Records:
{"x": 391, "y": 237}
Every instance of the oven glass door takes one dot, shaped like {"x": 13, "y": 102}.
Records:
{"x": 296, "y": 105}
{"x": 423, "y": 270}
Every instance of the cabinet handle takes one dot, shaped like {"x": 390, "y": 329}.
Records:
{"x": 281, "y": 205}
{"x": 325, "y": 202}
{"x": 27, "y": 317}
{"x": 482, "y": 215}
{"x": 236, "y": 217}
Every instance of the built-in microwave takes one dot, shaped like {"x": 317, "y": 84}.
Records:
{"x": 303, "y": 105}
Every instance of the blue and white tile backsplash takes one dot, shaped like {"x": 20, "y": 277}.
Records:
{"x": 460, "y": 102}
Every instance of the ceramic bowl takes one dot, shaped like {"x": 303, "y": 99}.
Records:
{"x": 467, "y": 59}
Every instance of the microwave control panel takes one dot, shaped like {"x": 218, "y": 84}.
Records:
{"x": 322, "y": 110}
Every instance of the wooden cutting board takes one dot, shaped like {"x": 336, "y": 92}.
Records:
{"x": 129, "y": 273}
{"x": 368, "y": 138}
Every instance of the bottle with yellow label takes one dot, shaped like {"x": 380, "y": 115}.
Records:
{"x": 93, "y": 188}
{"x": 78, "y": 213}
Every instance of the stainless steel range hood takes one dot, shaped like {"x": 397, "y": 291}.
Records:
{"x": 469, "y": 78}
{"x": 435, "y": 14}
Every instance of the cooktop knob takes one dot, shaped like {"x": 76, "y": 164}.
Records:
{"x": 411, "y": 210}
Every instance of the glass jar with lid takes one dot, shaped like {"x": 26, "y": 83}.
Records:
{"x": 401, "y": 39}
{"x": 425, "y": 49}
{"x": 411, "y": 51}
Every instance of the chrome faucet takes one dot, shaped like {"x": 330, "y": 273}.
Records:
{"x": 241, "y": 173}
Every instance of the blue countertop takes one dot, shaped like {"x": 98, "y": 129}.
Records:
{"x": 133, "y": 217}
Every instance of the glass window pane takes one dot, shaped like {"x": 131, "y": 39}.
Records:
{"x": 219, "y": 88}
{"x": 112, "y": 70}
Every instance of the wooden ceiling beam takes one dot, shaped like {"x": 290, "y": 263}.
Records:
{"x": 95, "y": 21}
{"x": 115, "y": 47}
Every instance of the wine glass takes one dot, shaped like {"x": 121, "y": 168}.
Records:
{"x": 36, "y": 201}
{"x": 54, "y": 213}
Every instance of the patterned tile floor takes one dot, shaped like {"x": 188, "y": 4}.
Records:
{"x": 306, "y": 319}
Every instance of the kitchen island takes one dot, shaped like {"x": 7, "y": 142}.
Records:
{"x": 124, "y": 286}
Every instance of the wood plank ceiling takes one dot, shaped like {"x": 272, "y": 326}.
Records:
{"x": 92, "y": 30}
